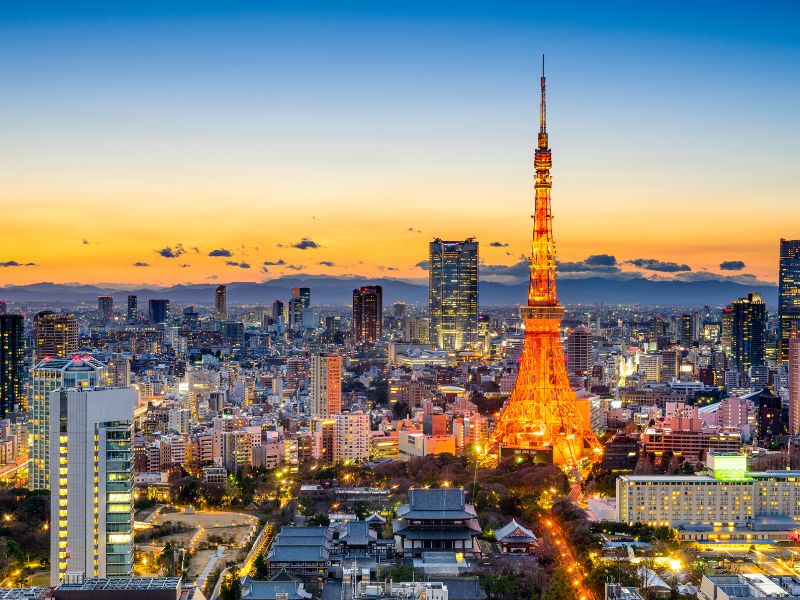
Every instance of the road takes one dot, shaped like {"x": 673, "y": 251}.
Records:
{"x": 552, "y": 532}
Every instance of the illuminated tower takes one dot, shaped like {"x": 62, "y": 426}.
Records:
{"x": 221, "y": 302}
{"x": 788, "y": 296}
{"x": 367, "y": 313}
{"x": 453, "y": 293}
{"x": 543, "y": 419}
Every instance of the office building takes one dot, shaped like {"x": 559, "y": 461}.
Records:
{"x": 650, "y": 368}
{"x": 54, "y": 335}
{"x": 367, "y": 314}
{"x": 119, "y": 371}
{"x": 729, "y": 504}
{"x": 686, "y": 330}
{"x": 49, "y": 375}
{"x": 92, "y": 487}
{"x": 748, "y": 332}
{"x": 237, "y": 450}
{"x": 300, "y": 301}
{"x": 794, "y": 383}
{"x": 579, "y": 351}
{"x": 3, "y": 307}
{"x": 277, "y": 312}
{"x": 158, "y": 310}
{"x": 326, "y": 385}
{"x": 133, "y": 309}
{"x": 105, "y": 308}
{"x": 12, "y": 356}
{"x": 768, "y": 416}
{"x": 221, "y": 302}
{"x": 351, "y": 438}
{"x": 453, "y": 293}
{"x": 788, "y": 295}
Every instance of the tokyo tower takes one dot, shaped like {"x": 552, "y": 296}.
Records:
{"x": 543, "y": 419}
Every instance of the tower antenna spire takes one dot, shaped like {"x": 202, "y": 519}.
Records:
{"x": 543, "y": 108}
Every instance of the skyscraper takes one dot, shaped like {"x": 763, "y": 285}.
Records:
{"x": 3, "y": 307}
{"x": 105, "y": 307}
{"x": 579, "y": 350}
{"x": 686, "y": 330}
{"x": 543, "y": 419}
{"x": 221, "y": 302}
{"x": 453, "y": 293}
{"x": 794, "y": 383}
{"x": 301, "y": 300}
{"x": 52, "y": 374}
{"x": 12, "y": 355}
{"x": 158, "y": 310}
{"x": 91, "y": 482}
{"x": 54, "y": 335}
{"x": 788, "y": 295}
{"x": 277, "y": 311}
{"x": 748, "y": 332}
{"x": 367, "y": 313}
{"x": 326, "y": 385}
{"x": 133, "y": 309}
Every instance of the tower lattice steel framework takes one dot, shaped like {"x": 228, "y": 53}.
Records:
{"x": 543, "y": 416}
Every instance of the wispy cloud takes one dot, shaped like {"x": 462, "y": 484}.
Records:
{"x": 498, "y": 244}
{"x": 141, "y": 264}
{"x": 221, "y": 252}
{"x": 327, "y": 263}
{"x": 14, "y": 263}
{"x": 171, "y": 251}
{"x": 731, "y": 265}
{"x": 652, "y": 264}
{"x": 241, "y": 265}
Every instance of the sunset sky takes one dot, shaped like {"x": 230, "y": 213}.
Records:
{"x": 167, "y": 142}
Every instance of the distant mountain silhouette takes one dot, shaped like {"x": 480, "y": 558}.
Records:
{"x": 338, "y": 290}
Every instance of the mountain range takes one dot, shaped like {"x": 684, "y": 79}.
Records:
{"x": 338, "y": 291}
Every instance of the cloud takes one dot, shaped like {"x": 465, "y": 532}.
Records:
{"x": 423, "y": 264}
{"x": 306, "y": 244}
{"x": 241, "y": 265}
{"x": 195, "y": 249}
{"x": 213, "y": 277}
{"x": 274, "y": 263}
{"x": 498, "y": 244}
{"x": 651, "y": 264}
{"x": 327, "y": 263}
{"x": 731, "y": 265}
{"x": 264, "y": 270}
{"x": 517, "y": 270}
{"x": 413, "y": 230}
{"x": 171, "y": 251}
{"x": 221, "y": 252}
{"x": 185, "y": 266}
{"x": 595, "y": 263}
{"x": 85, "y": 242}
{"x": 13, "y": 263}
{"x": 141, "y": 264}
{"x": 294, "y": 267}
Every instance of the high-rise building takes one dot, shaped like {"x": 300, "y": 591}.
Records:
{"x": 12, "y": 355}
{"x": 794, "y": 383}
{"x": 91, "y": 482}
{"x": 326, "y": 385}
{"x": 49, "y": 375}
{"x": 579, "y": 350}
{"x": 105, "y": 308}
{"x": 3, "y": 307}
{"x": 748, "y": 332}
{"x": 119, "y": 371}
{"x": 54, "y": 335}
{"x": 453, "y": 293}
{"x": 300, "y": 301}
{"x": 351, "y": 441}
{"x": 221, "y": 302}
{"x": 367, "y": 313}
{"x": 399, "y": 310}
{"x": 686, "y": 330}
{"x": 788, "y": 295}
{"x": 133, "y": 308}
{"x": 277, "y": 311}
{"x": 543, "y": 419}
{"x": 158, "y": 310}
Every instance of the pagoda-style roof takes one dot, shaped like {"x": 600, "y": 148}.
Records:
{"x": 436, "y": 504}
{"x": 514, "y": 532}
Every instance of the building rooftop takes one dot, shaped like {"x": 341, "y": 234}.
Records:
{"x": 123, "y": 583}
{"x": 20, "y": 593}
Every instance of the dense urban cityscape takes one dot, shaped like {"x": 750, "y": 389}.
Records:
{"x": 159, "y": 447}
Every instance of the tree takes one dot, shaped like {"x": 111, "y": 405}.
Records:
{"x": 560, "y": 587}
{"x": 621, "y": 572}
{"x": 261, "y": 571}
{"x": 231, "y": 588}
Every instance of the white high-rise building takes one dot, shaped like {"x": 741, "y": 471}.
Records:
{"x": 352, "y": 437}
{"x": 326, "y": 385}
{"x": 51, "y": 374}
{"x": 91, "y": 482}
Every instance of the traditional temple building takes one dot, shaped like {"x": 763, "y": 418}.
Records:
{"x": 515, "y": 539}
{"x": 436, "y": 520}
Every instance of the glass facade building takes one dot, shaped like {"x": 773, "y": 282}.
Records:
{"x": 12, "y": 355}
{"x": 788, "y": 296}
{"x": 748, "y": 332}
{"x": 453, "y": 294}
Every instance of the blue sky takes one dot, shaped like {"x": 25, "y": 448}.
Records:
{"x": 674, "y": 129}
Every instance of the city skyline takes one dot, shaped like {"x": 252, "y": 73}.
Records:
{"x": 238, "y": 153}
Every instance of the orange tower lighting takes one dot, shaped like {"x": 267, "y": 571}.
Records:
{"x": 543, "y": 418}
